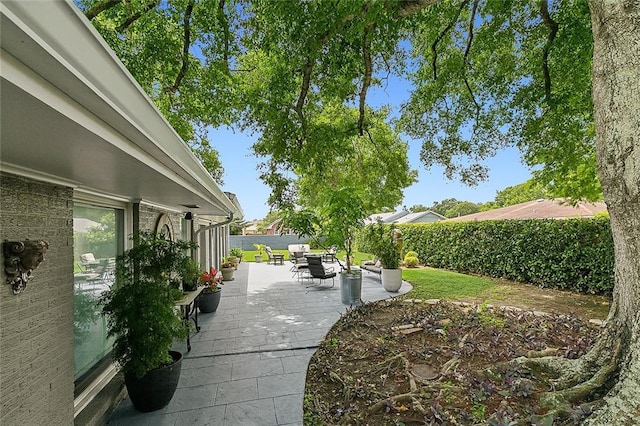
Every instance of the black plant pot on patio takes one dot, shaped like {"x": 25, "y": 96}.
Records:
{"x": 155, "y": 389}
{"x": 209, "y": 300}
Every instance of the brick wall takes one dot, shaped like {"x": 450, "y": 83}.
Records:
{"x": 36, "y": 326}
{"x": 148, "y": 218}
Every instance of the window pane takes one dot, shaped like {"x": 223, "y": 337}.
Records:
{"x": 98, "y": 239}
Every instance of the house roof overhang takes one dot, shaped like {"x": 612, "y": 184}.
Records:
{"x": 71, "y": 113}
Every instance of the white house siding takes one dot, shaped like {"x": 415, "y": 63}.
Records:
{"x": 36, "y": 326}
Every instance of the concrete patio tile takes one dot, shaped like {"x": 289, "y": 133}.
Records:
{"x": 199, "y": 349}
{"x": 317, "y": 334}
{"x": 231, "y": 358}
{"x": 257, "y": 368}
{"x": 192, "y": 397}
{"x": 237, "y": 391}
{"x": 277, "y": 354}
{"x": 207, "y": 416}
{"x": 201, "y": 376}
{"x": 226, "y": 345}
{"x": 248, "y": 343}
{"x": 248, "y": 331}
{"x": 127, "y": 415}
{"x": 297, "y": 363}
{"x": 280, "y": 385}
{"x": 259, "y": 412}
{"x": 288, "y": 409}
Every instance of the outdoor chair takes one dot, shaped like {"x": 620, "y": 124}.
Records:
{"x": 330, "y": 255}
{"x": 300, "y": 265}
{"x": 89, "y": 262}
{"x": 317, "y": 270}
{"x": 275, "y": 257}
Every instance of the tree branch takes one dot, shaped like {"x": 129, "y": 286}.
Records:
{"x": 133, "y": 18}
{"x": 465, "y": 59}
{"x": 409, "y": 7}
{"x": 553, "y": 30}
{"x": 368, "y": 70}
{"x": 98, "y": 8}
{"x": 434, "y": 45}
{"x": 224, "y": 23}
{"x": 308, "y": 66}
{"x": 185, "y": 48}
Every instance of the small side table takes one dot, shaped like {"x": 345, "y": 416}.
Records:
{"x": 329, "y": 257}
{"x": 188, "y": 305}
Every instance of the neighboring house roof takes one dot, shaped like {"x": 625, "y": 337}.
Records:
{"x": 390, "y": 217}
{"x": 538, "y": 209}
{"x": 253, "y": 227}
{"x": 274, "y": 224}
{"x": 415, "y": 217}
{"x": 81, "y": 224}
{"x": 72, "y": 114}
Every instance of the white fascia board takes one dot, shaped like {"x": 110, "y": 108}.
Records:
{"x": 76, "y": 45}
{"x": 14, "y": 71}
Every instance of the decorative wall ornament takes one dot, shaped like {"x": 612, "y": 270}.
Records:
{"x": 164, "y": 227}
{"x": 20, "y": 259}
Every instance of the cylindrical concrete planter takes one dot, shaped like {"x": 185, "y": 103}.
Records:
{"x": 227, "y": 274}
{"x": 351, "y": 288}
{"x": 392, "y": 279}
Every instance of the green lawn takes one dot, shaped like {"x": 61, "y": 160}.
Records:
{"x": 438, "y": 284}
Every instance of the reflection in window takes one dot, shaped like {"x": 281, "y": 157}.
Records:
{"x": 98, "y": 239}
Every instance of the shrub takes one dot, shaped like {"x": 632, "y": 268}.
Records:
{"x": 572, "y": 254}
{"x": 410, "y": 261}
{"x": 410, "y": 253}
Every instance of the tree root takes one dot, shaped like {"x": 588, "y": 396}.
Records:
{"x": 389, "y": 402}
{"x": 542, "y": 353}
{"x": 581, "y": 391}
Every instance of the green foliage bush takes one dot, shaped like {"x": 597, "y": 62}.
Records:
{"x": 573, "y": 254}
{"x": 411, "y": 253}
{"x": 410, "y": 261}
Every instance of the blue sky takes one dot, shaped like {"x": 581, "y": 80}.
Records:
{"x": 241, "y": 176}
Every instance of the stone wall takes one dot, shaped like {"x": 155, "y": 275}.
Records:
{"x": 276, "y": 242}
{"x": 36, "y": 326}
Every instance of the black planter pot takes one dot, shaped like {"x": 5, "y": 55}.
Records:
{"x": 209, "y": 301}
{"x": 190, "y": 285}
{"x": 155, "y": 389}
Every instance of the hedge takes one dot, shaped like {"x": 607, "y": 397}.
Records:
{"x": 572, "y": 254}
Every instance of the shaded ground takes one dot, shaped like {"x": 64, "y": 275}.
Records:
{"x": 398, "y": 362}
{"x": 528, "y": 297}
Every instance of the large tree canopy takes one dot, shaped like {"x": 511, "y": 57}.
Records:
{"x": 485, "y": 73}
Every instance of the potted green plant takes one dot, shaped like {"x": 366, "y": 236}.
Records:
{"x": 210, "y": 296}
{"x": 190, "y": 272}
{"x": 237, "y": 252}
{"x": 385, "y": 244}
{"x": 142, "y": 318}
{"x": 227, "y": 269}
{"x": 260, "y": 255}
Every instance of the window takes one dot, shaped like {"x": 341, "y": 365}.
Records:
{"x": 98, "y": 234}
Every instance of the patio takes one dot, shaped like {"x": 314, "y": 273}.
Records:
{"x": 248, "y": 363}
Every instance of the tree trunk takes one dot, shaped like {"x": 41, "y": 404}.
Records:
{"x": 616, "y": 99}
